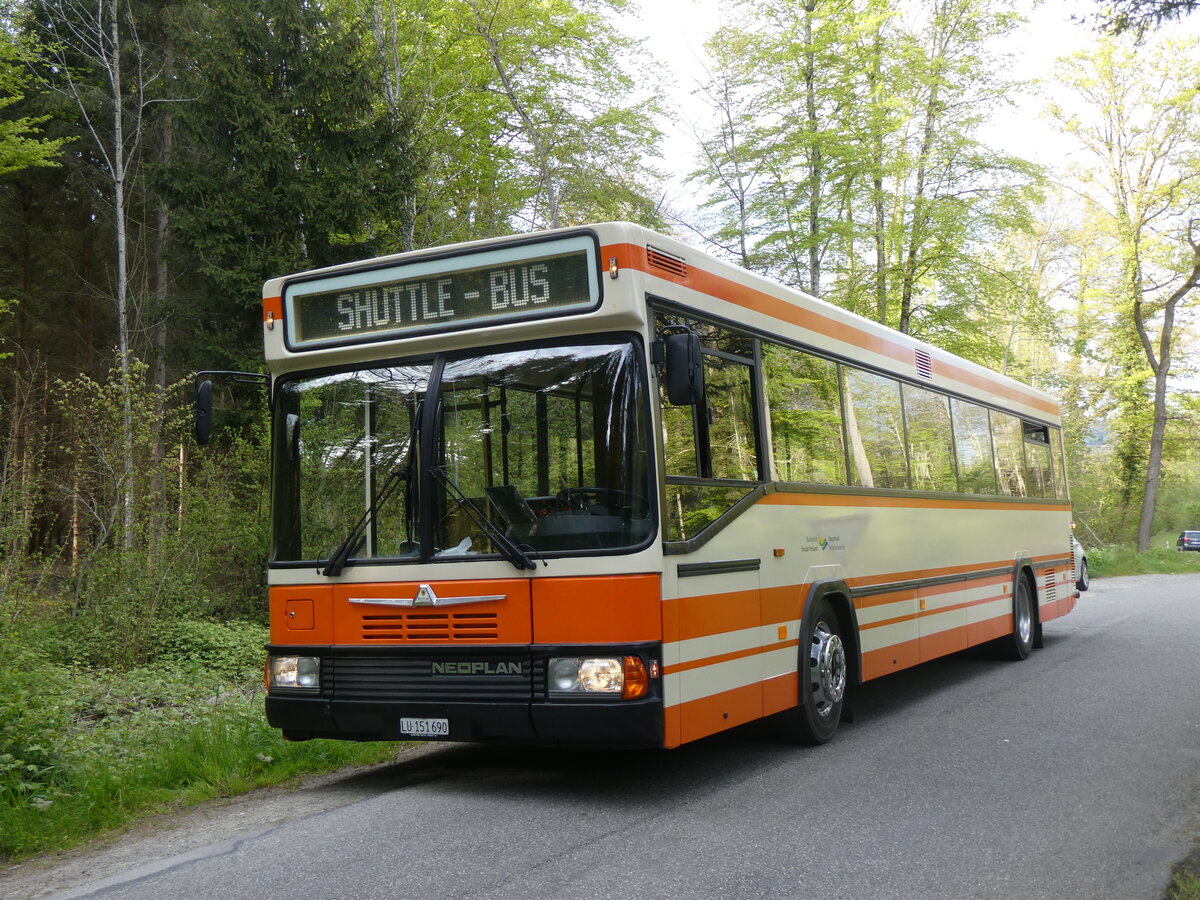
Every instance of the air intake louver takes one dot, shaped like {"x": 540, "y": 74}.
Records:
{"x": 924, "y": 364}
{"x": 672, "y": 265}
{"x": 430, "y": 626}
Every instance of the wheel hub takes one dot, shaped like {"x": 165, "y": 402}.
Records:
{"x": 828, "y": 669}
{"x": 1024, "y": 616}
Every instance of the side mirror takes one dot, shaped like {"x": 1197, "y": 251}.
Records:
{"x": 203, "y": 411}
{"x": 685, "y": 369}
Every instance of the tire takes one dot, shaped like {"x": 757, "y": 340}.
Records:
{"x": 1085, "y": 580}
{"x": 1019, "y": 644}
{"x": 823, "y": 676}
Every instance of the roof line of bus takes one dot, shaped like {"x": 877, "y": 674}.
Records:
{"x": 631, "y": 233}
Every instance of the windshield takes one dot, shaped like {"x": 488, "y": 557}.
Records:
{"x": 542, "y": 449}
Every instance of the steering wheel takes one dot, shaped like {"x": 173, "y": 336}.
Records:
{"x": 585, "y": 497}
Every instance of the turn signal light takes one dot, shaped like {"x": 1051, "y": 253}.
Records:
{"x": 637, "y": 682}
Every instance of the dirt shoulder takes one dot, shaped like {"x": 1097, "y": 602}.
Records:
{"x": 162, "y": 839}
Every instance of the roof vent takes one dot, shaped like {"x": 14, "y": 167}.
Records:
{"x": 924, "y": 364}
{"x": 665, "y": 262}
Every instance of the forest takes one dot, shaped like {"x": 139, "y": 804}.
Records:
{"x": 160, "y": 160}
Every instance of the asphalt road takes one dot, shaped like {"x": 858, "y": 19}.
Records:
{"x": 1073, "y": 774}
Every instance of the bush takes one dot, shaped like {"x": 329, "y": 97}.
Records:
{"x": 233, "y": 650}
{"x": 36, "y": 709}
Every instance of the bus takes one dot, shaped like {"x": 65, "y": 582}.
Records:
{"x": 594, "y": 487}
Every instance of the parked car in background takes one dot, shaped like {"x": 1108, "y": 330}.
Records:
{"x": 1082, "y": 580}
{"x": 1188, "y": 540}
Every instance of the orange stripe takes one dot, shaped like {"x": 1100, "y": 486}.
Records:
{"x": 940, "y": 643}
{"x": 780, "y": 693}
{"x": 787, "y": 498}
{"x": 708, "y": 715}
{"x": 893, "y": 658}
{"x": 272, "y": 308}
{"x": 905, "y": 654}
{"x": 896, "y": 621}
{"x": 885, "y": 599}
{"x": 597, "y": 610}
{"x": 957, "y": 585}
{"x": 989, "y": 629}
{"x": 671, "y": 723}
{"x": 872, "y": 580}
{"x": 926, "y": 613}
{"x": 726, "y": 657}
{"x": 709, "y": 614}
{"x": 632, "y": 256}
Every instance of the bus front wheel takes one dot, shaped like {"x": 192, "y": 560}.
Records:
{"x": 822, "y": 678}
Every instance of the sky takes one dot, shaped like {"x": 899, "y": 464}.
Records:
{"x": 675, "y": 32}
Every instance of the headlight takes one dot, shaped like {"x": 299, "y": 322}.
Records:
{"x": 295, "y": 672}
{"x": 599, "y": 675}
{"x": 586, "y": 675}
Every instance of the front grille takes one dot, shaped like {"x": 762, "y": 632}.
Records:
{"x": 396, "y": 627}
{"x": 404, "y": 677}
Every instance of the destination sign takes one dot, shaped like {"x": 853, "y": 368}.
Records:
{"x": 547, "y": 278}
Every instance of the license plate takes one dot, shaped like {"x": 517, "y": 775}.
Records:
{"x": 425, "y": 728}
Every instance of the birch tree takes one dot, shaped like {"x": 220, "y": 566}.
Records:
{"x": 1137, "y": 114}
{"x": 90, "y": 45}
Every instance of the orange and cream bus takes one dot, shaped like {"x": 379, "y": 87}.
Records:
{"x": 593, "y": 486}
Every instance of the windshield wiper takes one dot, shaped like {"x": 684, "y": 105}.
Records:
{"x": 515, "y": 554}
{"x": 337, "y": 562}
{"x": 395, "y": 477}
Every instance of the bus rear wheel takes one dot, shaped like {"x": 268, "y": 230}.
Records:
{"x": 1019, "y": 644}
{"x": 822, "y": 678}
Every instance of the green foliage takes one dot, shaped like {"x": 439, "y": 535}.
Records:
{"x": 86, "y": 750}
{"x": 311, "y": 170}
{"x": 232, "y": 650}
{"x": 1185, "y": 885}
{"x": 845, "y": 160}
{"x": 21, "y": 144}
{"x": 1161, "y": 558}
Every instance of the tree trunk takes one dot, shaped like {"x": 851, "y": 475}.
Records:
{"x": 875, "y": 81}
{"x": 1162, "y": 369}
{"x": 118, "y": 161}
{"x": 939, "y": 40}
{"x": 162, "y": 287}
{"x": 815, "y": 163}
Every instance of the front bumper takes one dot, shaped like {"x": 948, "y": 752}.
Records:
{"x": 366, "y": 692}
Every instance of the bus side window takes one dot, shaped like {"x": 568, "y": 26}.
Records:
{"x": 1010, "y": 460}
{"x": 874, "y": 429}
{"x": 710, "y": 445}
{"x": 973, "y": 447}
{"x": 1060, "y": 465}
{"x": 1039, "y": 478}
{"x": 732, "y": 449}
{"x": 930, "y": 439}
{"x": 679, "y": 439}
{"x": 804, "y": 417}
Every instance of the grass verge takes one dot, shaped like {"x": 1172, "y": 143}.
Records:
{"x": 86, "y": 750}
{"x": 1185, "y": 883}
{"x": 1161, "y": 559}
{"x": 219, "y": 751}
